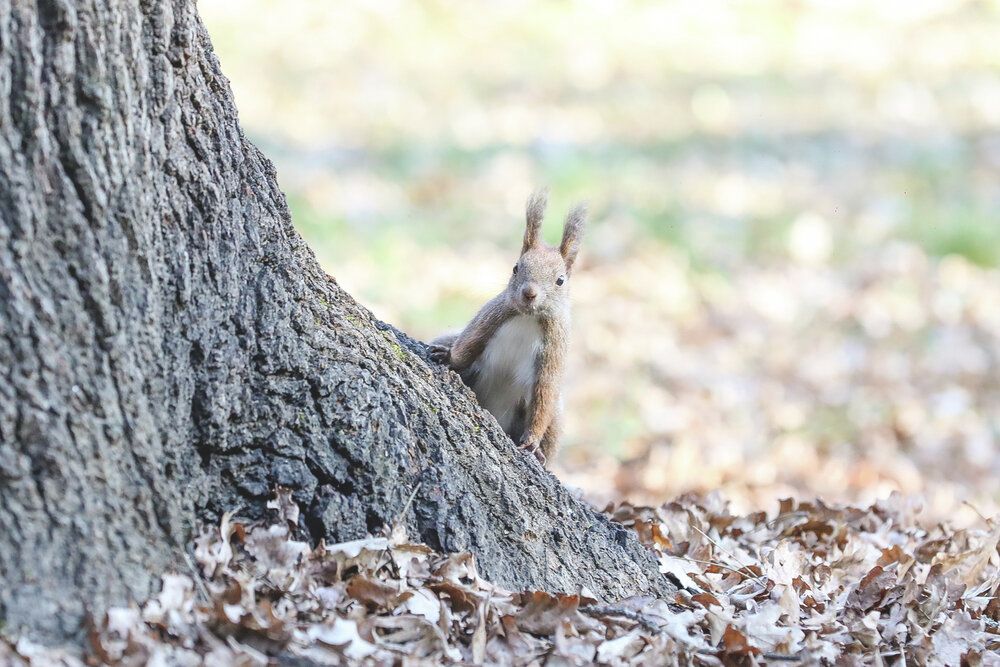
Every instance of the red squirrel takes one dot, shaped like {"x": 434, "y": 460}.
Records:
{"x": 513, "y": 352}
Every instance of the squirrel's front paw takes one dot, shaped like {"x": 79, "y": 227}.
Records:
{"x": 439, "y": 353}
{"x": 533, "y": 445}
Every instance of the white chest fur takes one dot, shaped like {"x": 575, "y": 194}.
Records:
{"x": 505, "y": 371}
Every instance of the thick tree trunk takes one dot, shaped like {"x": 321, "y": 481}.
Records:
{"x": 169, "y": 348}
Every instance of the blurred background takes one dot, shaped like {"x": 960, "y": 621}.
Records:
{"x": 790, "y": 283}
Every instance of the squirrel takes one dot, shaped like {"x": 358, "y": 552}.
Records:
{"x": 513, "y": 352}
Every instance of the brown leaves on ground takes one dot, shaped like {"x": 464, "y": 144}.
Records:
{"x": 813, "y": 585}
{"x": 834, "y": 585}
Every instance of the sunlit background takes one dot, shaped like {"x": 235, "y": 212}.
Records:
{"x": 790, "y": 283}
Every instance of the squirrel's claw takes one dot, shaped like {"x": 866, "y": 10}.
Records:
{"x": 439, "y": 353}
{"x": 534, "y": 447}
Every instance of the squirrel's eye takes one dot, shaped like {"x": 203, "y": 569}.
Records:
{"x": 515, "y": 268}
{"x": 560, "y": 280}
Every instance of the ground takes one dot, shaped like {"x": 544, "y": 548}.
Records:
{"x": 810, "y": 584}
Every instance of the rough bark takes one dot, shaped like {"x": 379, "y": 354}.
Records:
{"x": 169, "y": 348}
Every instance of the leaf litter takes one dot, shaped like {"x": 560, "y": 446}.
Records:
{"x": 812, "y": 584}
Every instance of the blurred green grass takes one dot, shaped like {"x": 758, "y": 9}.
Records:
{"x": 936, "y": 206}
{"x": 441, "y": 115}
{"x": 940, "y": 210}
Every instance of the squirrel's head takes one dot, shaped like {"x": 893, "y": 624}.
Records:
{"x": 540, "y": 279}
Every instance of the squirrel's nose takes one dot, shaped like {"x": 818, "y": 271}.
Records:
{"x": 529, "y": 292}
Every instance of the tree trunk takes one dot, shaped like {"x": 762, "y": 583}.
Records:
{"x": 170, "y": 349}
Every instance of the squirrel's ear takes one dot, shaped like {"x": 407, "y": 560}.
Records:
{"x": 534, "y": 214}
{"x": 572, "y": 233}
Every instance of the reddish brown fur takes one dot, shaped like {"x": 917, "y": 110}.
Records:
{"x": 543, "y": 426}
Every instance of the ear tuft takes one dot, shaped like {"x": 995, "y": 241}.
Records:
{"x": 572, "y": 234}
{"x": 534, "y": 213}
